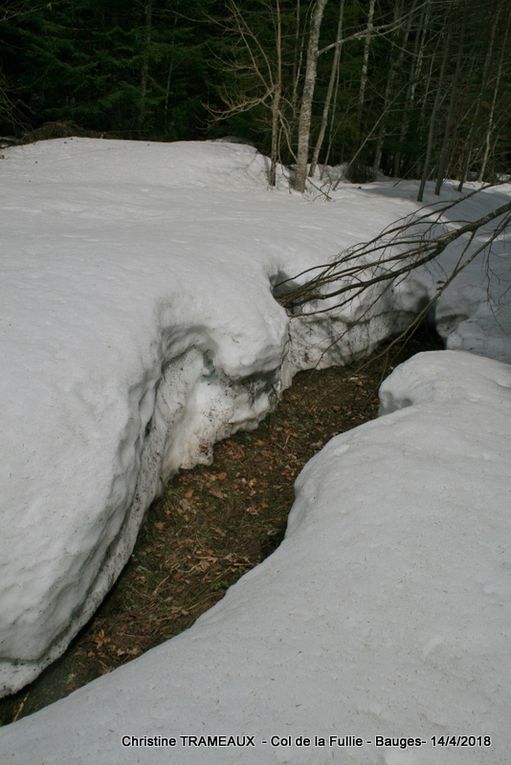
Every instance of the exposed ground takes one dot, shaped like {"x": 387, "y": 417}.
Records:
{"x": 212, "y": 524}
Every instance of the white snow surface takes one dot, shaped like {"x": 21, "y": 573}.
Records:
{"x": 385, "y": 611}
{"x": 137, "y": 326}
{"x": 474, "y": 311}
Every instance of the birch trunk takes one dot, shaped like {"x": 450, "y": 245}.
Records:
{"x": 449, "y": 123}
{"x": 304, "y": 122}
{"x": 477, "y": 107}
{"x": 433, "y": 120}
{"x": 276, "y": 99}
{"x": 297, "y": 59}
{"x": 365, "y": 61}
{"x": 491, "y": 118}
{"x": 334, "y": 77}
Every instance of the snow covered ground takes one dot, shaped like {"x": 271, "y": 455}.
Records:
{"x": 385, "y": 613}
{"x": 474, "y": 311}
{"x": 138, "y": 327}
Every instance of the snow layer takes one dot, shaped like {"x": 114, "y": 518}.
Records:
{"x": 385, "y": 612}
{"x": 138, "y": 326}
{"x": 473, "y": 312}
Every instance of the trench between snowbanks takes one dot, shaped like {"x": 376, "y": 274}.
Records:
{"x": 180, "y": 408}
{"x": 212, "y": 524}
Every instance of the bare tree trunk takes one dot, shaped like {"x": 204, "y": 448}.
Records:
{"x": 334, "y": 77}
{"x": 433, "y": 120}
{"x": 332, "y": 129}
{"x": 144, "y": 74}
{"x": 297, "y": 58}
{"x": 415, "y": 72}
{"x": 170, "y": 71}
{"x": 449, "y": 122}
{"x": 304, "y": 123}
{"x": 491, "y": 118}
{"x": 275, "y": 134}
{"x": 276, "y": 99}
{"x": 394, "y": 68}
{"x": 365, "y": 61}
{"x": 260, "y": 56}
{"x": 477, "y": 109}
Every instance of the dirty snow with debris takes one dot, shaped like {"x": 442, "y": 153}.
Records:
{"x": 137, "y": 327}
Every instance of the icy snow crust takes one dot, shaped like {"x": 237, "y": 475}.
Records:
{"x": 137, "y": 327}
{"x": 385, "y": 611}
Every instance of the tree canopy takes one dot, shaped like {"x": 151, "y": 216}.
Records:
{"x": 418, "y": 88}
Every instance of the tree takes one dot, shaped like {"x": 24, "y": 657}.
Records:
{"x": 135, "y": 68}
{"x": 304, "y": 122}
{"x": 257, "y": 69}
{"x": 365, "y": 60}
{"x": 496, "y": 89}
{"x": 332, "y": 82}
{"x": 270, "y": 71}
{"x": 378, "y": 264}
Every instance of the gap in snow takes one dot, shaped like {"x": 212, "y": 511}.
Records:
{"x": 212, "y": 524}
{"x": 100, "y": 324}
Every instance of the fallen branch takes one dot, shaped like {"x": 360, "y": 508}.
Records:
{"x": 406, "y": 245}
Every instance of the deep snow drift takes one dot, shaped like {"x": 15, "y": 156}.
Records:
{"x": 385, "y": 611}
{"x": 137, "y": 327}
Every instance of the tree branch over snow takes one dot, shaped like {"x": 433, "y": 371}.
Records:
{"x": 398, "y": 250}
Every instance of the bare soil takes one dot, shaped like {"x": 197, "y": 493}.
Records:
{"x": 212, "y": 524}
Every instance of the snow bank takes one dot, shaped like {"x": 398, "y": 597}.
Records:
{"x": 474, "y": 311}
{"x": 384, "y": 613}
{"x": 137, "y": 326}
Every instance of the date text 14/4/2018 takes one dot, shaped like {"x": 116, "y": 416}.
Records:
{"x": 469, "y": 741}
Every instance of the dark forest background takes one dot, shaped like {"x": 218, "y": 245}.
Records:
{"x": 411, "y": 87}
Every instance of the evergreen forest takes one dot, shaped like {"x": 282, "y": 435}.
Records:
{"x": 412, "y": 88}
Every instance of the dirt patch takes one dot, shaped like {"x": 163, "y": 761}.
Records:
{"x": 212, "y": 524}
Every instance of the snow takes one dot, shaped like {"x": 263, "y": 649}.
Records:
{"x": 137, "y": 327}
{"x": 474, "y": 312}
{"x": 385, "y": 611}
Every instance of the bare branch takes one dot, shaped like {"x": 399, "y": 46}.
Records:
{"x": 378, "y": 30}
{"x": 411, "y": 242}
